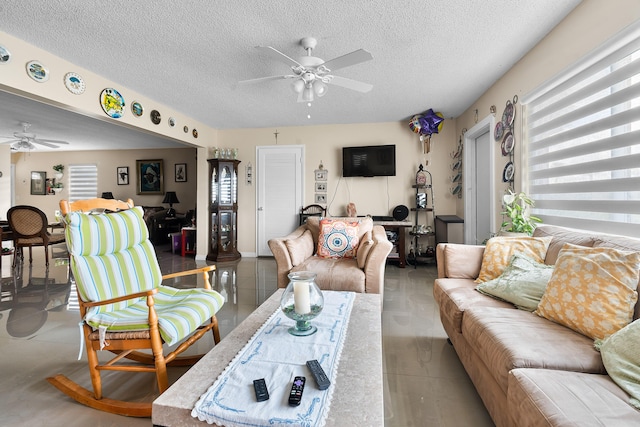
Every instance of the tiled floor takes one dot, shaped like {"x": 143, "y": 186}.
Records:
{"x": 39, "y": 337}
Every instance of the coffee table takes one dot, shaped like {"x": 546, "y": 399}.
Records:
{"x": 358, "y": 394}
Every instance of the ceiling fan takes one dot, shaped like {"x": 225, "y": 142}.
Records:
{"x": 24, "y": 141}
{"x": 311, "y": 75}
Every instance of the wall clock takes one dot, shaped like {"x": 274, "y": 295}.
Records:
{"x": 74, "y": 83}
{"x": 155, "y": 117}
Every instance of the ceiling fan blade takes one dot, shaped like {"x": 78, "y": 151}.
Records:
{"x": 11, "y": 141}
{"x": 353, "y": 58}
{"x": 276, "y": 54}
{"x": 55, "y": 141}
{"x": 41, "y": 142}
{"x": 266, "y": 79}
{"x": 350, "y": 84}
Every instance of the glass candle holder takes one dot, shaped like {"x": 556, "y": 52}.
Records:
{"x": 302, "y": 301}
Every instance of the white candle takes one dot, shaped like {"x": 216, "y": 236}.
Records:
{"x": 301, "y": 297}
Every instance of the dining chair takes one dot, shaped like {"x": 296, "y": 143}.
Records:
{"x": 124, "y": 306}
{"x": 311, "y": 210}
{"x": 29, "y": 226}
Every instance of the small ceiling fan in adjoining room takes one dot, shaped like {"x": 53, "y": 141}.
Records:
{"x": 24, "y": 141}
{"x": 311, "y": 75}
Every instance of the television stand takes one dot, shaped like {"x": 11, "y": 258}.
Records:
{"x": 399, "y": 251}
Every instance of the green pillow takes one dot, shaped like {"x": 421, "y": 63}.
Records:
{"x": 621, "y": 357}
{"x": 522, "y": 282}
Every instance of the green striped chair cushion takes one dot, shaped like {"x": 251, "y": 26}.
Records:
{"x": 112, "y": 256}
{"x": 180, "y": 312}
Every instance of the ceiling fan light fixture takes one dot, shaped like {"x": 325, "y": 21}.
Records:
{"x": 320, "y": 88}
{"x": 307, "y": 94}
{"x": 297, "y": 86}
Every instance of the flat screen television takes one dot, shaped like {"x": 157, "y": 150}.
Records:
{"x": 372, "y": 160}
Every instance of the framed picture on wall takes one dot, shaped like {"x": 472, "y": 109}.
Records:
{"x": 181, "y": 172}
{"x": 150, "y": 176}
{"x": 321, "y": 187}
{"x": 321, "y": 198}
{"x": 321, "y": 174}
{"x": 38, "y": 183}
{"x": 123, "y": 175}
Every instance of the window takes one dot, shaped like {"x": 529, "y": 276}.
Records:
{"x": 83, "y": 182}
{"x": 583, "y": 141}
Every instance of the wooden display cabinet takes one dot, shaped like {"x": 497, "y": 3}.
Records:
{"x": 223, "y": 210}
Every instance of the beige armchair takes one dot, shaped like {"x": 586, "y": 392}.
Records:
{"x": 365, "y": 273}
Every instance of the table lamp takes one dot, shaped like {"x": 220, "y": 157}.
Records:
{"x": 171, "y": 198}
{"x": 107, "y": 195}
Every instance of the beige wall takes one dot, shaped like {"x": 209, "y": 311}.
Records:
{"x": 585, "y": 29}
{"x": 375, "y": 196}
{"x": 107, "y": 162}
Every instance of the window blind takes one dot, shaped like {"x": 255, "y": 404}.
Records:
{"x": 83, "y": 182}
{"x": 582, "y": 134}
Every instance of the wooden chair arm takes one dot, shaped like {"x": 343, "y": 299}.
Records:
{"x": 148, "y": 293}
{"x": 202, "y": 270}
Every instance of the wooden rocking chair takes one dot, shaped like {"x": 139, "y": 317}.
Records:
{"x": 124, "y": 306}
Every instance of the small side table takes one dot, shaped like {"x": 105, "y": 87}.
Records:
{"x": 188, "y": 246}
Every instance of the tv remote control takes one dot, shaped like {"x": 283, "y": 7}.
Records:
{"x": 260, "y": 388}
{"x": 322, "y": 381}
{"x": 296, "y": 391}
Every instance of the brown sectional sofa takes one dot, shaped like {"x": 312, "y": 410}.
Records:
{"x": 528, "y": 370}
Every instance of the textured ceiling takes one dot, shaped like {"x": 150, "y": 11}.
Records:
{"x": 190, "y": 54}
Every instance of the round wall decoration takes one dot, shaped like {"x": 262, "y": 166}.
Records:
{"x": 74, "y": 83}
{"x": 185, "y": 128}
{"x": 172, "y": 122}
{"x": 156, "y": 117}
{"x": 137, "y": 109}
{"x": 195, "y": 133}
{"x": 5, "y": 55}
{"x": 37, "y": 71}
{"x": 507, "y": 173}
{"x": 112, "y": 103}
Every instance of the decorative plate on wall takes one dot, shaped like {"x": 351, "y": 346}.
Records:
{"x": 508, "y": 115}
{"x": 185, "y": 128}
{"x": 195, "y": 133}
{"x": 37, "y": 71}
{"x": 172, "y": 121}
{"x": 74, "y": 83}
{"x": 137, "y": 109}
{"x": 156, "y": 117}
{"x": 498, "y": 131}
{"x": 507, "y": 174}
{"x": 112, "y": 102}
{"x": 5, "y": 55}
{"x": 507, "y": 144}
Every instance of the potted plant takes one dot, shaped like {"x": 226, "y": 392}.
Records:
{"x": 516, "y": 209}
{"x": 57, "y": 187}
{"x": 59, "y": 171}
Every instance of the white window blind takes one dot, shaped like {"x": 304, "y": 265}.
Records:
{"x": 583, "y": 141}
{"x": 83, "y": 182}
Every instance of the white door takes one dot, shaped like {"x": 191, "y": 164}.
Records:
{"x": 280, "y": 186}
{"x": 479, "y": 211}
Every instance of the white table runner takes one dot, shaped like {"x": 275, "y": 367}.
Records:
{"x": 277, "y": 356}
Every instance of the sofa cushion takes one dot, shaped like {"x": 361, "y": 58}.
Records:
{"x": 509, "y": 339}
{"x": 454, "y": 296}
{"x": 592, "y": 290}
{"x": 499, "y": 250}
{"x": 300, "y": 248}
{"x": 621, "y": 356}
{"x": 522, "y": 283}
{"x": 462, "y": 261}
{"x": 338, "y": 238}
{"x": 339, "y": 274}
{"x": 366, "y": 243}
{"x": 543, "y": 397}
{"x": 562, "y": 235}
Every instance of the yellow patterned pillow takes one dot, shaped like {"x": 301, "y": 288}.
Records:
{"x": 499, "y": 250}
{"x": 592, "y": 290}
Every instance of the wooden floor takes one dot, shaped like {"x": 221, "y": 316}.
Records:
{"x": 425, "y": 384}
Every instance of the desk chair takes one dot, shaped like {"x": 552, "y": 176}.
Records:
{"x": 123, "y": 305}
{"x": 29, "y": 225}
